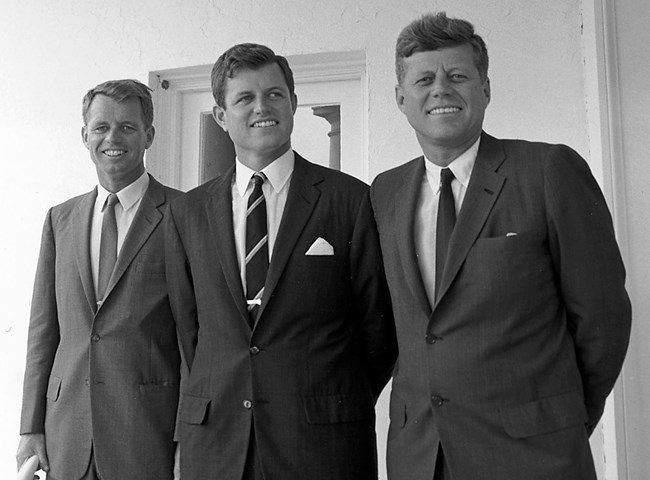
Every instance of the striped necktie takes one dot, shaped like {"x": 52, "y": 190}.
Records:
{"x": 257, "y": 251}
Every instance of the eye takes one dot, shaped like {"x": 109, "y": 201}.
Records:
{"x": 128, "y": 129}
{"x": 457, "y": 77}
{"x": 100, "y": 129}
{"x": 426, "y": 80}
{"x": 243, "y": 99}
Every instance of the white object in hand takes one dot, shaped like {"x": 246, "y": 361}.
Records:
{"x": 28, "y": 469}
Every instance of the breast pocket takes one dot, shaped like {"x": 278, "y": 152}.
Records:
{"x": 320, "y": 261}
{"x": 512, "y": 266}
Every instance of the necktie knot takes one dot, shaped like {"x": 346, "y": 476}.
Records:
{"x": 446, "y": 176}
{"x": 111, "y": 201}
{"x": 258, "y": 179}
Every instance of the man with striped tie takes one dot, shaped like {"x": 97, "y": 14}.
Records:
{"x": 278, "y": 290}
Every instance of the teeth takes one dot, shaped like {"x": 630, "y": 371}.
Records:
{"x": 114, "y": 153}
{"x": 438, "y": 111}
{"x": 266, "y": 123}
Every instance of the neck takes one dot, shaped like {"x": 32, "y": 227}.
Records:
{"x": 257, "y": 161}
{"x": 443, "y": 155}
{"x": 115, "y": 185}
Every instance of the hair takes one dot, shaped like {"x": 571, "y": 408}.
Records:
{"x": 434, "y": 31}
{"x": 120, "y": 90}
{"x": 245, "y": 56}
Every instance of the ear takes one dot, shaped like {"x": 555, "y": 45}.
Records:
{"x": 84, "y": 136}
{"x": 219, "y": 115}
{"x": 294, "y": 103}
{"x": 399, "y": 97}
{"x": 486, "y": 91}
{"x": 151, "y": 133}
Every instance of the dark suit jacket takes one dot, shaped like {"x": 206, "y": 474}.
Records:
{"x": 108, "y": 377}
{"x": 307, "y": 376}
{"x": 510, "y": 369}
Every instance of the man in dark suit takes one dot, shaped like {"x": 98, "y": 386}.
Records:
{"x": 506, "y": 282}
{"x": 102, "y": 375}
{"x": 288, "y": 350}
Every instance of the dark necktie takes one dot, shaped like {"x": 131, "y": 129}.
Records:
{"x": 107, "y": 246}
{"x": 445, "y": 223}
{"x": 257, "y": 251}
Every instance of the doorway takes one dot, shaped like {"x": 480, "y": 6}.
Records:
{"x": 329, "y": 125}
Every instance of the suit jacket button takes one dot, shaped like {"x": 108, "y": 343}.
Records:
{"x": 95, "y": 338}
{"x": 254, "y": 350}
{"x": 437, "y": 400}
{"x": 247, "y": 404}
{"x": 431, "y": 338}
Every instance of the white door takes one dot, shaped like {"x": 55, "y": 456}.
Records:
{"x": 189, "y": 146}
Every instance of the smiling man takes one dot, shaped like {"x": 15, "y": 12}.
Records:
{"x": 102, "y": 375}
{"x": 278, "y": 290}
{"x": 506, "y": 282}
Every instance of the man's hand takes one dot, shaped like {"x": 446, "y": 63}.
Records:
{"x": 32, "y": 444}
{"x": 177, "y": 462}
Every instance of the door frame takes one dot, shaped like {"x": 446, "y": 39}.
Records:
{"x": 168, "y": 87}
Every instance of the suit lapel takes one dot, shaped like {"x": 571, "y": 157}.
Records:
{"x": 219, "y": 214}
{"x": 482, "y": 192}
{"x": 406, "y": 199}
{"x": 301, "y": 200}
{"x": 144, "y": 223}
{"x": 82, "y": 224}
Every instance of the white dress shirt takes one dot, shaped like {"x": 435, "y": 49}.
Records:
{"x": 275, "y": 190}
{"x": 129, "y": 201}
{"x": 426, "y": 214}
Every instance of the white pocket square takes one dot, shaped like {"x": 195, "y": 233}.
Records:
{"x": 320, "y": 247}
{"x": 511, "y": 234}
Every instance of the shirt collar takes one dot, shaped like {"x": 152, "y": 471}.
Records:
{"x": 277, "y": 172}
{"x": 129, "y": 195}
{"x": 461, "y": 167}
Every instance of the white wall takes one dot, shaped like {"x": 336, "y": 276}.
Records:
{"x": 52, "y": 52}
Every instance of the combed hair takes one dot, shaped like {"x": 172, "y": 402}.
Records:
{"x": 434, "y": 31}
{"x": 245, "y": 56}
{"x": 120, "y": 90}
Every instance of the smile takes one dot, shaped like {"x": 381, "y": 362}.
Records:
{"x": 443, "y": 110}
{"x": 264, "y": 124}
{"x": 114, "y": 153}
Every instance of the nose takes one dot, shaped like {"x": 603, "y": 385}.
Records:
{"x": 260, "y": 106}
{"x": 113, "y": 135}
{"x": 440, "y": 86}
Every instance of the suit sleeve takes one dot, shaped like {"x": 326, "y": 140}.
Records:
{"x": 372, "y": 300}
{"x": 180, "y": 288}
{"x": 591, "y": 275}
{"x": 43, "y": 336}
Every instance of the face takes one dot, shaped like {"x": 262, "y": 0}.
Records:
{"x": 116, "y": 136}
{"x": 444, "y": 99}
{"x": 258, "y": 114}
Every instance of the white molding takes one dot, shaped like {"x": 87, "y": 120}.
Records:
{"x": 603, "y": 103}
{"x": 319, "y": 67}
{"x": 169, "y": 86}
